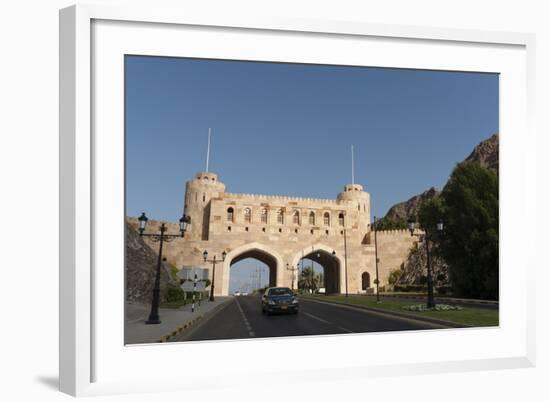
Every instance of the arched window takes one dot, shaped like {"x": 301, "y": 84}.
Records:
{"x": 341, "y": 219}
{"x": 326, "y": 219}
{"x": 312, "y": 218}
{"x": 280, "y": 216}
{"x": 230, "y": 214}
{"x": 264, "y": 216}
{"x": 247, "y": 215}
{"x": 365, "y": 280}
{"x": 296, "y": 217}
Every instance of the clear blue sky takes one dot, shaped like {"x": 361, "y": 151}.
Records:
{"x": 287, "y": 128}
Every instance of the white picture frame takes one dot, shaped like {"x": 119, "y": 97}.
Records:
{"x": 94, "y": 37}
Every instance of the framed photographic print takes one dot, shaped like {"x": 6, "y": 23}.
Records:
{"x": 268, "y": 188}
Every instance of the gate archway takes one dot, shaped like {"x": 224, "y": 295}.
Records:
{"x": 332, "y": 263}
{"x": 255, "y": 251}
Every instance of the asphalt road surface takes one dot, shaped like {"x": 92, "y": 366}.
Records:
{"x": 242, "y": 318}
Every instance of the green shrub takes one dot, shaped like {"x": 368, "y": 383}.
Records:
{"x": 394, "y": 276}
{"x": 174, "y": 294}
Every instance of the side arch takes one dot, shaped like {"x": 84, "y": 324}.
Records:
{"x": 254, "y": 250}
{"x": 332, "y": 264}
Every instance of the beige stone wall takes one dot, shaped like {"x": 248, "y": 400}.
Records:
{"x": 281, "y": 245}
{"x": 393, "y": 249}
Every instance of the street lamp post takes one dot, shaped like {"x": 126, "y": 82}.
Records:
{"x": 346, "y": 260}
{"x": 334, "y": 255}
{"x": 160, "y": 238}
{"x": 427, "y": 238}
{"x": 376, "y": 260}
{"x": 213, "y": 261}
{"x": 293, "y": 270}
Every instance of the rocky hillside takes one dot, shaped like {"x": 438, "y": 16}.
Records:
{"x": 485, "y": 153}
{"x": 414, "y": 270}
{"x": 140, "y": 269}
{"x": 404, "y": 210}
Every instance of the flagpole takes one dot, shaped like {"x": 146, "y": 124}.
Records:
{"x": 208, "y": 149}
{"x": 352, "y": 167}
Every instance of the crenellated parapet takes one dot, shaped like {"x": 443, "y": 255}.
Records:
{"x": 280, "y": 198}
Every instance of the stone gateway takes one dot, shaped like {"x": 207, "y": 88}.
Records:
{"x": 280, "y": 231}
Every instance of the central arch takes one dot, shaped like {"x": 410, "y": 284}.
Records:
{"x": 333, "y": 266}
{"x": 257, "y": 251}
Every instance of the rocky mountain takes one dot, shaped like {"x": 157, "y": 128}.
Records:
{"x": 485, "y": 153}
{"x": 414, "y": 270}
{"x": 140, "y": 269}
{"x": 404, "y": 210}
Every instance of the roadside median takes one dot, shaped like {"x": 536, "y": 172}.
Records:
{"x": 466, "y": 317}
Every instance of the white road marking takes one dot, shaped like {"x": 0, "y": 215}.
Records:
{"x": 327, "y": 322}
{"x": 316, "y": 318}
{"x": 246, "y": 323}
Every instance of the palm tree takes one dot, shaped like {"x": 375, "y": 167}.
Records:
{"x": 308, "y": 280}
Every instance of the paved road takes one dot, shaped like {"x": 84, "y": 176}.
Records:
{"x": 242, "y": 318}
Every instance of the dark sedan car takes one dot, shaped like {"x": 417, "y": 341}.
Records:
{"x": 279, "y": 299}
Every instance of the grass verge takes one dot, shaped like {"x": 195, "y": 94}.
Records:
{"x": 477, "y": 317}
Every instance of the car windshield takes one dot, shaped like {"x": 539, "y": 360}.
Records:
{"x": 280, "y": 291}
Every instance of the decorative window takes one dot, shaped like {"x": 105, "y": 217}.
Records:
{"x": 280, "y": 216}
{"x": 296, "y": 217}
{"x": 312, "y": 218}
{"x": 230, "y": 214}
{"x": 326, "y": 219}
{"x": 247, "y": 215}
{"x": 264, "y": 216}
{"x": 341, "y": 219}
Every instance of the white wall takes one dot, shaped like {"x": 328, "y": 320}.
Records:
{"x": 28, "y": 200}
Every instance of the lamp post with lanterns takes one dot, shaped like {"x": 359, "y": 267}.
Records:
{"x": 213, "y": 261}
{"x": 293, "y": 270}
{"x": 377, "y": 280}
{"x": 160, "y": 238}
{"x": 427, "y": 237}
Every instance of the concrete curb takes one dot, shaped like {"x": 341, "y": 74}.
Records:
{"x": 205, "y": 316}
{"x": 445, "y": 323}
{"x": 179, "y": 329}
